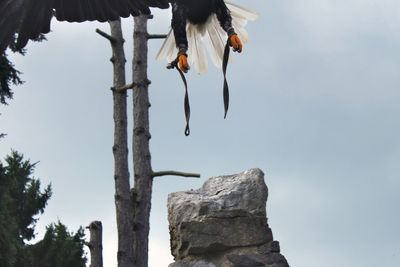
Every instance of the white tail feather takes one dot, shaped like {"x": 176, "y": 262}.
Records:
{"x": 217, "y": 39}
{"x": 168, "y": 49}
{"x": 215, "y": 45}
{"x": 196, "y": 53}
{"x": 241, "y": 32}
{"x": 239, "y": 11}
{"x": 209, "y": 35}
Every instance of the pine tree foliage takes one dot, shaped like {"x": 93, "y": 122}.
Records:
{"x": 8, "y": 74}
{"x": 21, "y": 201}
{"x": 59, "y": 248}
{"x": 9, "y": 242}
{"x": 25, "y": 200}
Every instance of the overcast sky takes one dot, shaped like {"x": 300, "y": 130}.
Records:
{"x": 314, "y": 104}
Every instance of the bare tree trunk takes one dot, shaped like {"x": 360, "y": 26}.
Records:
{"x": 133, "y": 207}
{"x": 141, "y": 138}
{"x": 96, "y": 244}
{"x": 123, "y": 204}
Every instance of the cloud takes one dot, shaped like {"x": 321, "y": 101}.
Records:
{"x": 314, "y": 103}
{"x": 335, "y": 24}
{"x": 159, "y": 253}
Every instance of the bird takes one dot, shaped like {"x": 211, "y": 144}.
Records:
{"x": 195, "y": 24}
{"x": 198, "y": 26}
{"x": 31, "y": 18}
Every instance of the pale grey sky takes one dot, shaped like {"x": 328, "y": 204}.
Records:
{"x": 314, "y": 103}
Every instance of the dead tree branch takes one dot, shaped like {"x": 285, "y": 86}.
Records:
{"x": 156, "y": 36}
{"x": 107, "y": 36}
{"x": 176, "y": 173}
{"x": 123, "y": 88}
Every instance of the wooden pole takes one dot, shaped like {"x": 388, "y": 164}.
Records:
{"x": 123, "y": 203}
{"x": 141, "y": 138}
{"x": 96, "y": 244}
{"x": 143, "y": 173}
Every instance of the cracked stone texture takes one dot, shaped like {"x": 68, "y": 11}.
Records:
{"x": 223, "y": 224}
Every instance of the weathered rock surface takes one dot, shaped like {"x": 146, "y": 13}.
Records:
{"x": 223, "y": 224}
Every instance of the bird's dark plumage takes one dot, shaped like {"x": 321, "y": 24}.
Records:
{"x": 30, "y": 18}
{"x": 197, "y": 12}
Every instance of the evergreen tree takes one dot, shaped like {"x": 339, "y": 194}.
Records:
{"x": 8, "y": 74}
{"x": 59, "y": 248}
{"x": 8, "y": 230}
{"x": 21, "y": 201}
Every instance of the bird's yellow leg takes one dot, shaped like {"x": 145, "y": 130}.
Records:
{"x": 235, "y": 42}
{"x": 183, "y": 62}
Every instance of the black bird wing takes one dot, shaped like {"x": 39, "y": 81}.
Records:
{"x": 30, "y": 18}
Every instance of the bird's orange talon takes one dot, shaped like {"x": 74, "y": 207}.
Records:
{"x": 235, "y": 43}
{"x": 183, "y": 63}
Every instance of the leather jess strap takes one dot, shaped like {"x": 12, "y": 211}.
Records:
{"x": 174, "y": 64}
{"x": 224, "y": 67}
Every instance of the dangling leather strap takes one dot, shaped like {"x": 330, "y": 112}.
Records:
{"x": 172, "y": 65}
{"x": 224, "y": 67}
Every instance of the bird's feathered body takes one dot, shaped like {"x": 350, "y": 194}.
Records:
{"x": 204, "y": 25}
{"x": 198, "y": 11}
{"x": 30, "y": 18}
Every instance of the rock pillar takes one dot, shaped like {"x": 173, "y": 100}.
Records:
{"x": 223, "y": 224}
